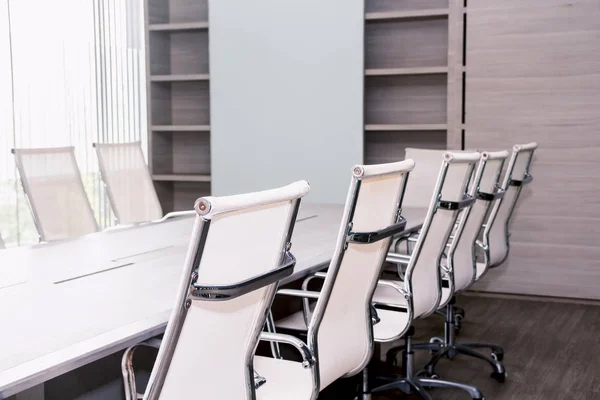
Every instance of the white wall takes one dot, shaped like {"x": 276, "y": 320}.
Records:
{"x": 286, "y": 83}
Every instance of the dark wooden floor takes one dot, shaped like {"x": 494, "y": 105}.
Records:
{"x": 552, "y": 350}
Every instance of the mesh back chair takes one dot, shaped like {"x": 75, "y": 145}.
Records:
{"x": 461, "y": 264}
{"x": 424, "y": 177}
{"x": 52, "y": 183}
{"x": 339, "y": 328}
{"x": 128, "y": 182}
{"x": 399, "y": 303}
{"x": 496, "y": 235}
{"x": 224, "y": 297}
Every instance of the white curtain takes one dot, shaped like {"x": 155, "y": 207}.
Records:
{"x": 72, "y": 72}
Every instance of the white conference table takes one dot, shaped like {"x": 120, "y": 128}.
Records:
{"x": 66, "y": 304}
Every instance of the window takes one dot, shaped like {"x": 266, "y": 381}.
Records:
{"x": 71, "y": 73}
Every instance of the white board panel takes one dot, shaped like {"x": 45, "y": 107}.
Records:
{"x": 286, "y": 89}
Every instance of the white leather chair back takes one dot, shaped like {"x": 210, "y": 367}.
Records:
{"x": 422, "y": 181}
{"x": 341, "y": 326}
{"x": 53, "y": 186}
{"x": 128, "y": 182}
{"x": 484, "y": 184}
{"x": 208, "y": 346}
{"x": 422, "y": 277}
{"x": 496, "y": 233}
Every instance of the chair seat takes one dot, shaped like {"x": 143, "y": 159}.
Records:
{"x": 392, "y": 323}
{"x": 446, "y": 293}
{"x": 295, "y": 321}
{"x": 480, "y": 270}
{"x": 285, "y": 379}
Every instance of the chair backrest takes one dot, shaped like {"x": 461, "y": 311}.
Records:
{"x": 495, "y": 235}
{"x": 423, "y": 178}
{"x": 128, "y": 182}
{"x": 484, "y": 188}
{"x": 211, "y": 338}
{"x": 52, "y": 183}
{"x": 422, "y": 277}
{"x": 340, "y": 331}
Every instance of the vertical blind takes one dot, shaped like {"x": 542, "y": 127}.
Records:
{"x": 72, "y": 72}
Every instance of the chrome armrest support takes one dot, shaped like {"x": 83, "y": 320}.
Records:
{"x": 127, "y": 368}
{"x": 372, "y": 237}
{"x": 231, "y": 291}
{"x": 394, "y": 285}
{"x": 398, "y": 258}
{"x": 525, "y": 181}
{"x": 498, "y": 194}
{"x": 299, "y": 293}
{"x": 308, "y": 358}
{"x": 465, "y": 202}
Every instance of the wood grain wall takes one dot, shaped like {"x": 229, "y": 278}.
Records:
{"x": 533, "y": 74}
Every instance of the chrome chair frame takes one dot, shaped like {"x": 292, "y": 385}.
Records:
{"x": 193, "y": 291}
{"x": 313, "y": 323}
{"x": 507, "y": 183}
{"x": 412, "y": 382}
{"x": 447, "y": 346}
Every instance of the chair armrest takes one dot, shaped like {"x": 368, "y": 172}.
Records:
{"x": 394, "y": 285}
{"x": 231, "y": 291}
{"x": 127, "y": 368}
{"x": 308, "y": 358}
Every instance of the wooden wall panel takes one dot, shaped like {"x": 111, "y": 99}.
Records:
{"x": 188, "y": 10}
{"x": 191, "y": 153}
{"x": 533, "y": 74}
{"x": 185, "y": 194}
{"x": 417, "y": 43}
{"x": 403, "y": 5}
{"x": 190, "y": 102}
{"x": 386, "y": 147}
{"x": 417, "y": 99}
{"x": 189, "y": 52}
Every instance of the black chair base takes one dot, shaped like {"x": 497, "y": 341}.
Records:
{"x": 447, "y": 347}
{"x": 417, "y": 383}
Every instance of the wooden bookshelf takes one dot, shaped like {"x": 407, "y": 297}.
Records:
{"x": 178, "y": 83}
{"x": 387, "y": 16}
{"x": 412, "y": 68}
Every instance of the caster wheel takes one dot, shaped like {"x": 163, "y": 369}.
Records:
{"x": 435, "y": 340}
{"x": 427, "y": 374}
{"x": 459, "y": 312}
{"x": 498, "y": 356}
{"x": 499, "y": 377}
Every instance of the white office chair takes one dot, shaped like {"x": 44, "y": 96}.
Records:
{"x": 340, "y": 333}
{"x": 496, "y": 233}
{"x": 224, "y": 296}
{"x": 128, "y": 182}
{"x": 399, "y": 303}
{"x": 52, "y": 183}
{"x": 461, "y": 264}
